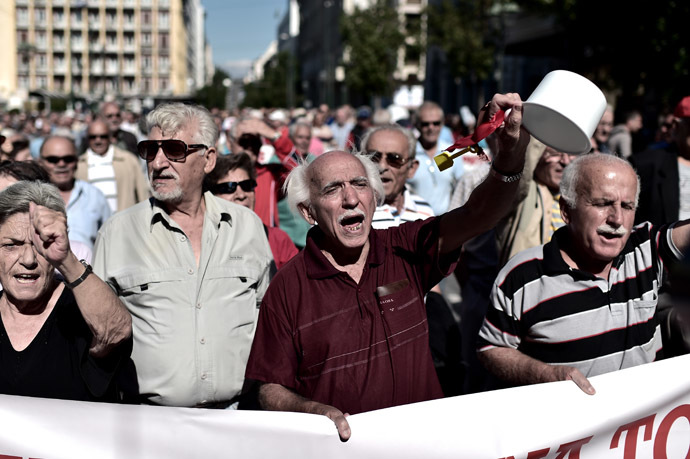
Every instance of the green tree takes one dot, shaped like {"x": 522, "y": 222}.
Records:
{"x": 372, "y": 37}
{"x": 271, "y": 90}
{"x": 635, "y": 47}
{"x": 213, "y": 95}
{"x": 464, "y": 30}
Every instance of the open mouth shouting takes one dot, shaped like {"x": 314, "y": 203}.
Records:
{"x": 352, "y": 221}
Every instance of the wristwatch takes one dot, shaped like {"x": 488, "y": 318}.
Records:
{"x": 82, "y": 278}
{"x": 503, "y": 177}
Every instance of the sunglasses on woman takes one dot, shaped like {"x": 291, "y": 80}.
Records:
{"x": 230, "y": 187}
{"x": 173, "y": 149}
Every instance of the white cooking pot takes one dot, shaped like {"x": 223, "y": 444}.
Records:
{"x": 563, "y": 111}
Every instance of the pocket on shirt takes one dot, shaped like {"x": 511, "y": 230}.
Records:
{"x": 402, "y": 309}
{"x": 138, "y": 281}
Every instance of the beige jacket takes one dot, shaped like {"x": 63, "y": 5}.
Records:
{"x": 132, "y": 184}
{"x": 529, "y": 224}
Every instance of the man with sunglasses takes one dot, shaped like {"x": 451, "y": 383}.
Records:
{"x": 428, "y": 182}
{"x": 234, "y": 179}
{"x": 87, "y": 207}
{"x": 392, "y": 148}
{"x": 190, "y": 267}
{"x": 110, "y": 169}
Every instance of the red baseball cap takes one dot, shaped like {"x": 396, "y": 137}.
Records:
{"x": 683, "y": 108}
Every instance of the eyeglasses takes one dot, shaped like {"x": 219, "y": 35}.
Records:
{"x": 230, "y": 187}
{"x": 173, "y": 149}
{"x": 394, "y": 159}
{"x": 98, "y": 136}
{"x": 429, "y": 123}
{"x": 57, "y": 159}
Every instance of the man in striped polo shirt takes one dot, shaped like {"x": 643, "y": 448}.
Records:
{"x": 584, "y": 303}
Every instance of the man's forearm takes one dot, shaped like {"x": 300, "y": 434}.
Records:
{"x": 516, "y": 368}
{"x": 275, "y": 397}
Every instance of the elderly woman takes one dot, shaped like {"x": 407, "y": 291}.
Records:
{"x": 56, "y": 340}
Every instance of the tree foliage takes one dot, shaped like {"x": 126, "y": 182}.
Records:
{"x": 271, "y": 90}
{"x": 372, "y": 37}
{"x": 463, "y": 30}
{"x": 637, "y": 46}
{"x": 213, "y": 95}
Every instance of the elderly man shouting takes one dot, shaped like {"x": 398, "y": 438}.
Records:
{"x": 190, "y": 267}
{"x": 584, "y": 303}
{"x": 342, "y": 328}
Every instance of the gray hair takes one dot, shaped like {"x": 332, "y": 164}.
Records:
{"x": 411, "y": 141}
{"x": 292, "y": 130}
{"x": 572, "y": 174}
{"x": 15, "y": 198}
{"x": 296, "y": 185}
{"x": 171, "y": 118}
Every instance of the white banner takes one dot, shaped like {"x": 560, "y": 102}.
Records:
{"x": 642, "y": 412}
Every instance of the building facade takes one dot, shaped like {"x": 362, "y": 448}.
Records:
{"x": 94, "y": 49}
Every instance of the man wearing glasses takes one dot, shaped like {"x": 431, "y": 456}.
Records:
{"x": 87, "y": 207}
{"x": 191, "y": 268}
{"x": 428, "y": 182}
{"x": 112, "y": 170}
{"x": 392, "y": 148}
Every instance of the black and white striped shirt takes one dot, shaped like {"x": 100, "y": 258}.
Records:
{"x": 564, "y": 316}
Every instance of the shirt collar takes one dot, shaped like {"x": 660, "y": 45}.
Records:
{"x": 554, "y": 262}
{"x": 318, "y": 266}
{"x": 214, "y": 212}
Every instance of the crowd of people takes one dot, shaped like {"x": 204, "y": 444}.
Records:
{"x": 293, "y": 259}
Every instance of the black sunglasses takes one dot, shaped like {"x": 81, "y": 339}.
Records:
{"x": 57, "y": 159}
{"x": 429, "y": 123}
{"x": 173, "y": 149}
{"x": 230, "y": 187}
{"x": 2, "y": 139}
{"x": 98, "y": 136}
{"x": 394, "y": 159}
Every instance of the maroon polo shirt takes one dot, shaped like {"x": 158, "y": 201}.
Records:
{"x": 356, "y": 346}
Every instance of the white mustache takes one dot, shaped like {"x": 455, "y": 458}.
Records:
{"x": 351, "y": 213}
{"x": 608, "y": 229}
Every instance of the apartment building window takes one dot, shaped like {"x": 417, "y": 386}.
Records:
{"x": 146, "y": 62}
{"x": 163, "y": 63}
{"x": 146, "y": 38}
{"x": 163, "y": 19}
{"x": 163, "y": 84}
{"x": 40, "y": 16}
{"x": 22, "y": 16}
{"x": 93, "y": 19}
{"x": 41, "y": 62}
{"x": 58, "y": 18}
{"x": 23, "y": 81}
{"x": 110, "y": 19}
{"x": 22, "y": 37}
{"x": 42, "y": 82}
{"x": 147, "y": 85}
{"x": 146, "y": 17}
{"x": 111, "y": 39}
{"x": 128, "y": 40}
{"x": 40, "y": 39}
{"x": 76, "y": 17}
{"x": 129, "y": 20}
{"x": 163, "y": 40}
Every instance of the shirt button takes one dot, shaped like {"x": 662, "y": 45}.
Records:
{"x": 202, "y": 340}
{"x": 190, "y": 271}
{"x": 198, "y": 305}
{"x": 203, "y": 376}
{"x": 183, "y": 238}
